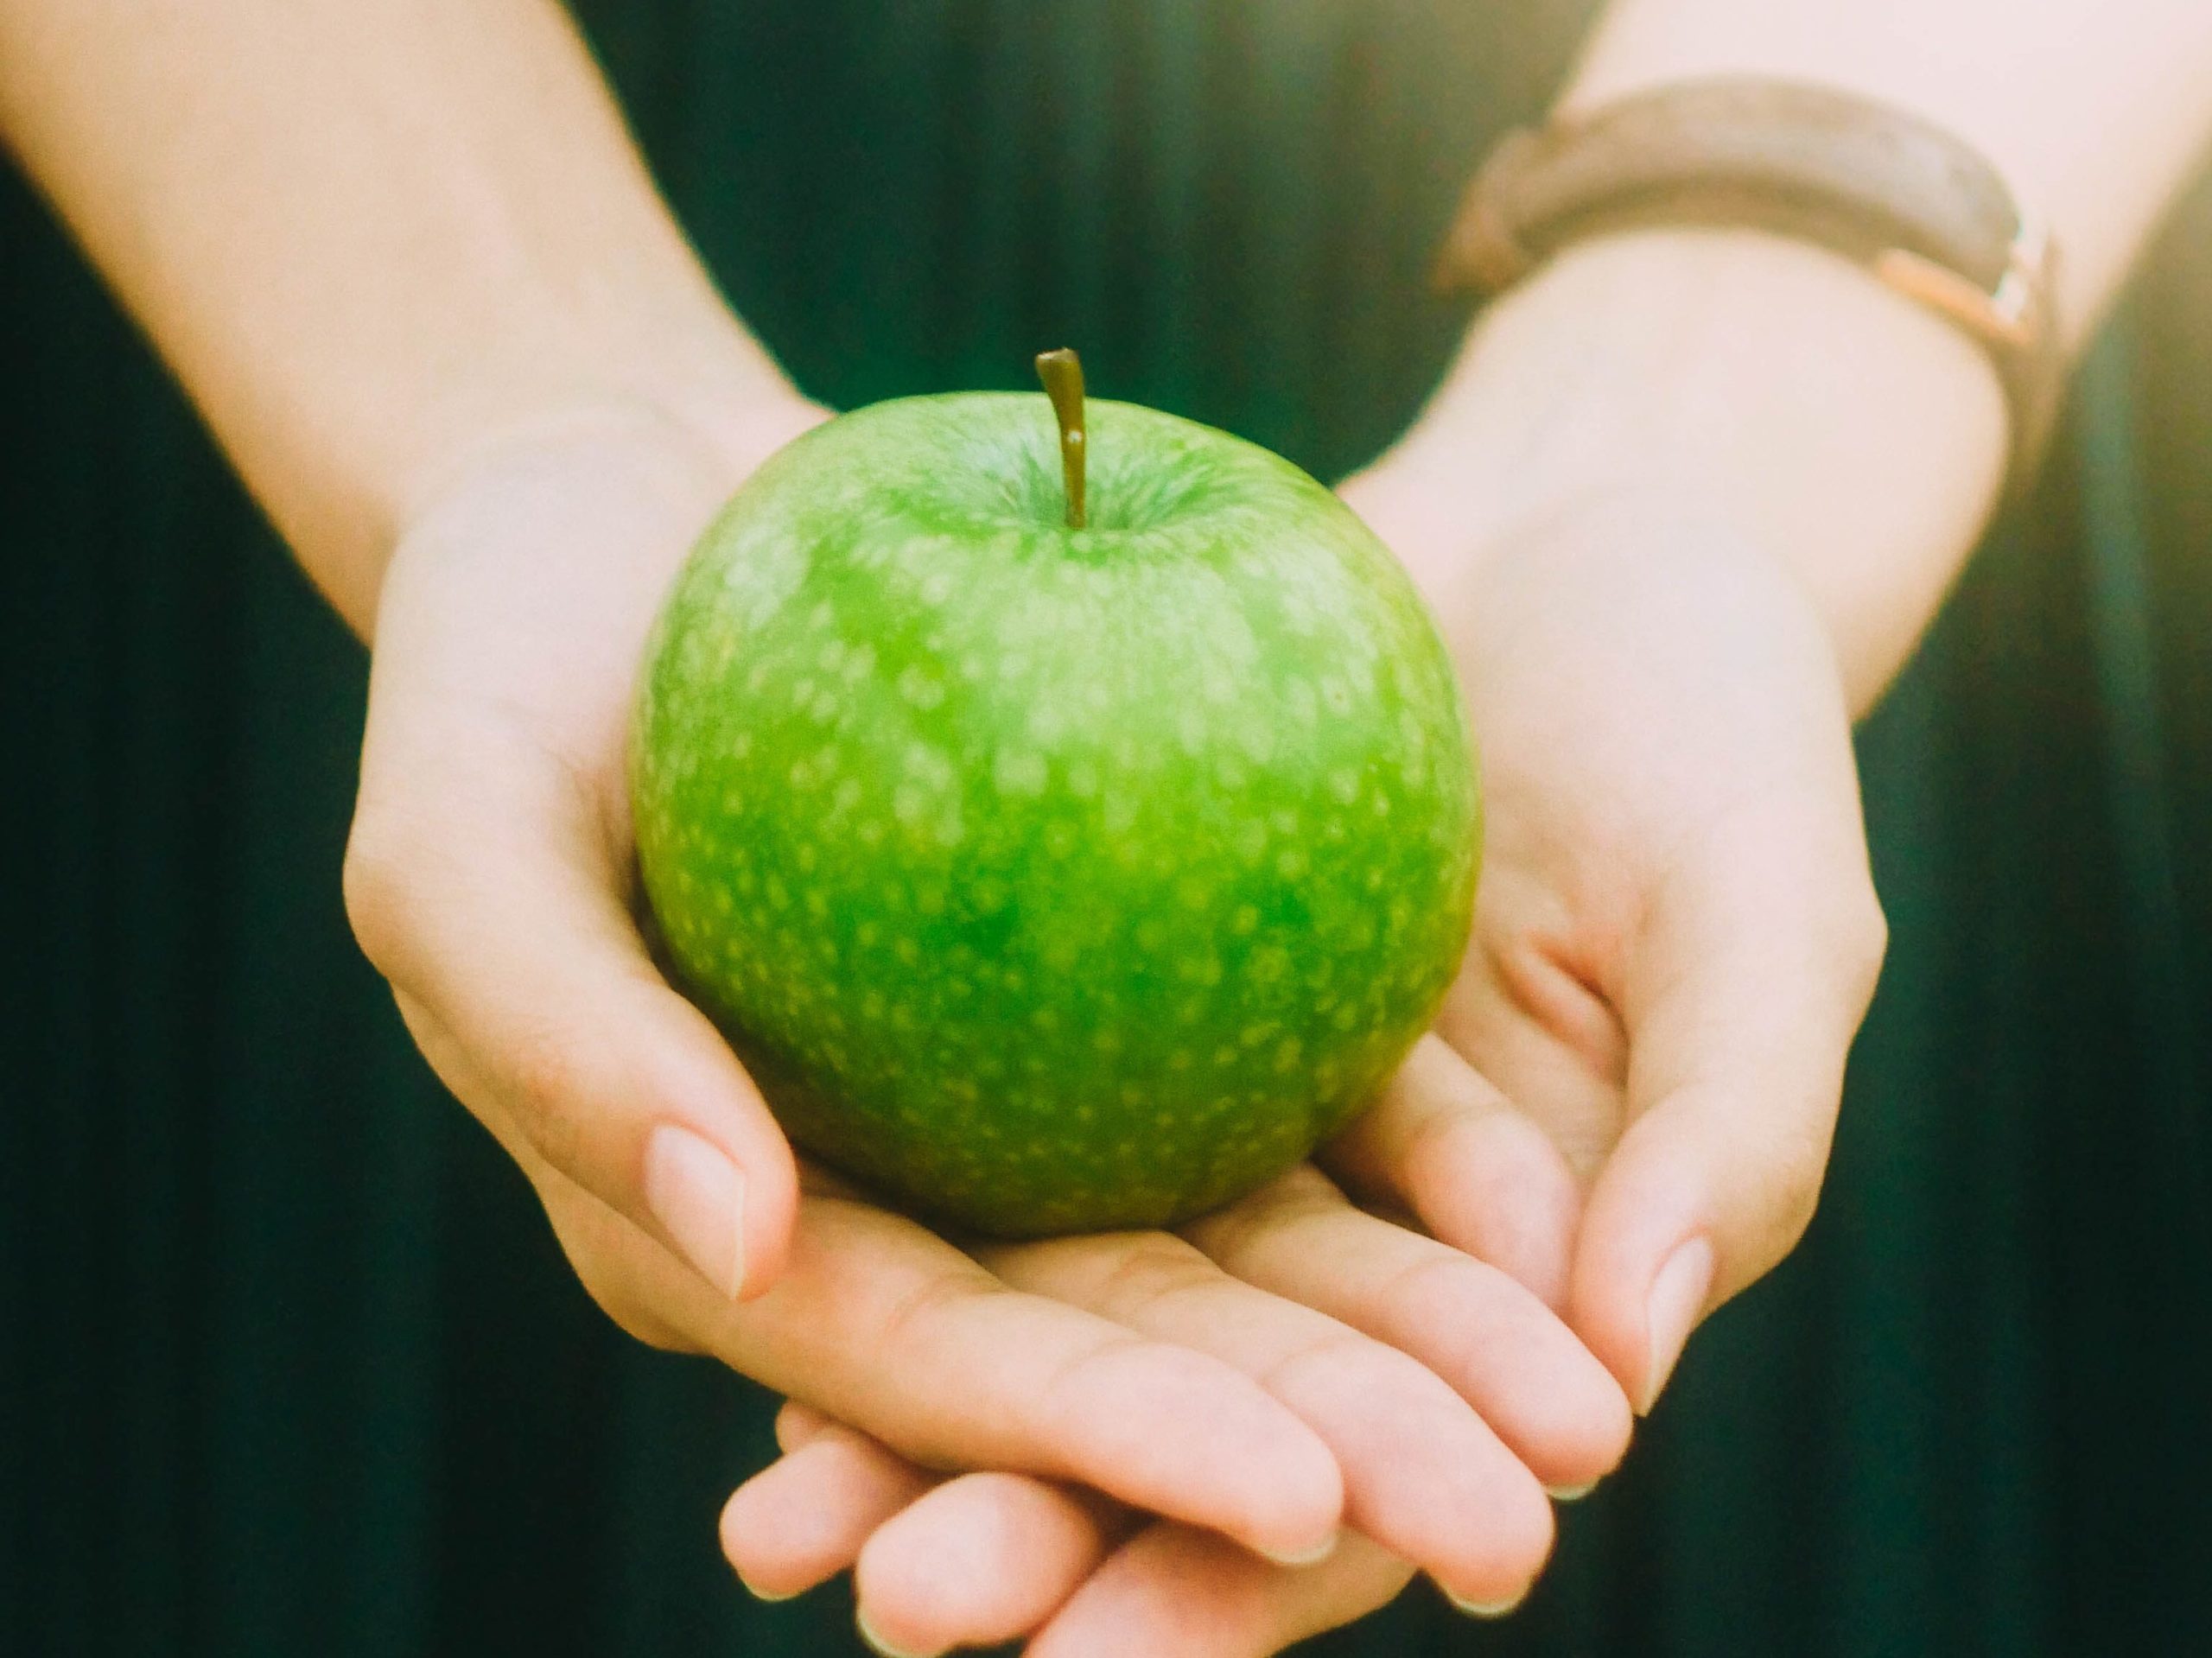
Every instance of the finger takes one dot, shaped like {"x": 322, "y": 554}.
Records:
{"x": 983, "y": 1559}
{"x": 796, "y": 1424}
{"x": 481, "y": 882}
{"x": 1750, "y": 979}
{"x": 1170, "y": 1593}
{"x": 804, "y": 1518}
{"x": 1554, "y": 1406}
{"x": 972, "y": 1561}
{"x": 1441, "y": 1142}
{"x": 896, "y": 1332}
{"x": 886, "y": 1327}
{"x": 1424, "y": 1476}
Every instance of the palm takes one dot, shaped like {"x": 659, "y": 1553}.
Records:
{"x": 1676, "y": 937}
{"x": 1674, "y": 941}
{"x": 1253, "y": 1382}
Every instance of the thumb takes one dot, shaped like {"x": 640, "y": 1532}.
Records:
{"x": 480, "y": 883}
{"x": 1745, "y": 986}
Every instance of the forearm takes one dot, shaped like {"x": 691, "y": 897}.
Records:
{"x": 1859, "y": 437}
{"x": 370, "y": 239}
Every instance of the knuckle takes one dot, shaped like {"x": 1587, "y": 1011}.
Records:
{"x": 636, "y": 1321}
{"x": 1430, "y": 1131}
{"x": 585, "y": 1236}
{"x": 543, "y": 1076}
{"x": 1793, "y": 1195}
{"x": 376, "y": 882}
{"x": 1341, "y": 1353}
{"x": 1866, "y": 938}
{"x": 1154, "y": 1268}
{"x": 914, "y": 1320}
{"x": 1517, "y": 1531}
{"x": 1240, "y": 1234}
{"x": 1062, "y": 1410}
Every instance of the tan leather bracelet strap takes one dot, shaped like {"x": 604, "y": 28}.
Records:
{"x": 1922, "y": 209}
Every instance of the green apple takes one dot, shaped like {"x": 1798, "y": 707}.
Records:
{"x": 1053, "y": 870}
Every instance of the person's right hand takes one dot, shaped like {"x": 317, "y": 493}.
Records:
{"x": 978, "y": 1552}
{"x": 1381, "y": 1382}
{"x": 1676, "y": 938}
{"x": 489, "y": 877}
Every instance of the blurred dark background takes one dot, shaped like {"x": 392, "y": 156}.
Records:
{"x": 289, "y": 1362}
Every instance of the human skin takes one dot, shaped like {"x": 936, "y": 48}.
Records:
{"x": 411, "y": 272}
{"x": 1686, "y": 503}
{"x": 1732, "y": 467}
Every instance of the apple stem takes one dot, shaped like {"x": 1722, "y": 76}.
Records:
{"x": 1062, "y": 373}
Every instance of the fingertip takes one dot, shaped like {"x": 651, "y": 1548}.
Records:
{"x": 746, "y": 1530}
{"x": 1553, "y": 1403}
{"x": 769, "y": 1217}
{"x": 1645, "y": 1268}
{"x": 717, "y": 1174}
{"x": 1578, "y": 1429}
{"x": 806, "y": 1517}
{"x": 1293, "y": 1512}
{"x": 1577, "y": 1426}
{"x": 1612, "y": 1417}
{"x": 709, "y": 1094}
{"x": 1500, "y": 1191}
{"x": 1172, "y": 1591}
{"x": 913, "y": 1586}
{"x": 1308, "y": 1523}
{"x": 1672, "y": 1306}
{"x": 1522, "y": 1529}
{"x": 1235, "y": 1459}
{"x": 1461, "y": 1507}
{"x": 984, "y": 1559}
{"x": 882, "y": 1645}
{"x": 797, "y": 1423}
{"x": 771, "y": 1172}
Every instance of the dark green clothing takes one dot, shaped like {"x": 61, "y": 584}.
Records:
{"x": 288, "y": 1363}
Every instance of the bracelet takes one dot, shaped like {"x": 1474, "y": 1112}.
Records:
{"x": 1921, "y": 210}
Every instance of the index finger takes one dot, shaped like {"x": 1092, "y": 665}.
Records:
{"x": 890, "y": 1329}
{"x": 886, "y": 1327}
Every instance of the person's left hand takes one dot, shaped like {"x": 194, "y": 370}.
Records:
{"x": 1677, "y": 933}
{"x": 1675, "y": 940}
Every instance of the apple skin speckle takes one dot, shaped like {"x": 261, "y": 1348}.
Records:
{"x": 1175, "y": 818}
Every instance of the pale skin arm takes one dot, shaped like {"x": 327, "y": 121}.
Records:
{"x": 1686, "y": 503}
{"x": 373, "y": 240}
{"x": 1783, "y": 399}
{"x": 378, "y": 245}
{"x": 1858, "y": 437}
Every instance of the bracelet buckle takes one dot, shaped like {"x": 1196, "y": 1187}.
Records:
{"x": 2010, "y": 315}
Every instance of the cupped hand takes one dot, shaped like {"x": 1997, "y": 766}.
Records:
{"x": 979, "y": 1558}
{"x": 1629, "y": 1111}
{"x": 1162, "y": 1440}
{"x": 1448, "y": 1396}
{"x": 489, "y": 874}
{"x": 489, "y": 877}
{"x": 1677, "y": 934}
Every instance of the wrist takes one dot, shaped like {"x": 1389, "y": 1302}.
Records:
{"x": 1756, "y": 382}
{"x": 698, "y": 428}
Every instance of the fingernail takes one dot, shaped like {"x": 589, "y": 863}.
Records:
{"x": 698, "y": 1196}
{"x": 1572, "y": 1492}
{"x": 878, "y": 1644}
{"x": 1487, "y": 1609}
{"x": 762, "y": 1595}
{"x": 1313, "y": 1556}
{"x": 1678, "y": 1293}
